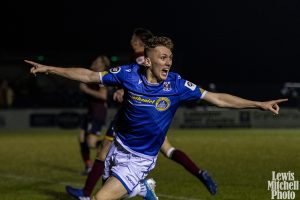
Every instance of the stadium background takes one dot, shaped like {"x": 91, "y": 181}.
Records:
{"x": 247, "y": 48}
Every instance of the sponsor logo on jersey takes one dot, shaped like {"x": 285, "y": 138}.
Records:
{"x": 115, "y": 70}
{"x": 141, "y": 99}
{"x": 167, "y": 86}
{"x": 190, "y": 85}
{"x": 162, "y": 104}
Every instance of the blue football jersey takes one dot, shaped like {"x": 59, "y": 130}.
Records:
{"x": 148, "y": 109}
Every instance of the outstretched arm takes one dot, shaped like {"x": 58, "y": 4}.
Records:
{"x": 230, "y": 101}
{"x": 78, "y": 74}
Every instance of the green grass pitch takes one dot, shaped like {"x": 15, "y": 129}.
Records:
{"x": 38, "y": 163}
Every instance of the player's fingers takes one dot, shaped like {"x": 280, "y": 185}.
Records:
{"x": 273, "y": 110}
{"x": 32, "y": 70}
{"x": 30, "y": 62}
{"x": 276, "y": 107}
{"x": 280, "y": 100}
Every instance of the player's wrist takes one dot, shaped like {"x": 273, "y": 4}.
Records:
{"x": 49, "y": 69}
{"x": 259, "y": 105}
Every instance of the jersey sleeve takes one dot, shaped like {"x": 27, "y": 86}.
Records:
{"x": 189, "y": 91}
{"x": 113, "y": 77}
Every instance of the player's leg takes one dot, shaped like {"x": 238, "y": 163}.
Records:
{"x": 94, "y": 131}
{"x": 130, "y": 170}
{"x": 93, "y": 142}
{"x": 84, "y": 148}
{"x": 94, "y": 175}
{"x": 112, "y": 189}
{"x": 180, "y": 157}
{"x": 97, "y": 169}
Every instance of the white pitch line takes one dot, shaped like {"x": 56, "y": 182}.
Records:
{"x": 13, "y": 176}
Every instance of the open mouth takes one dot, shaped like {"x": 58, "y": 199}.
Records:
{"x": 165, "y": 71}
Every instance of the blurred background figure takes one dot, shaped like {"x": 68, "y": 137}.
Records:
{"x": 137, "y": 42}
{"x": 6, "y": 95}
{"x": 292, "y": 90}
{"x": 94, "y": 119}
{"x": 212, "y": 87}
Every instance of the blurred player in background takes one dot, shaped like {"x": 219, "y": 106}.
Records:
{"x": 95, "y": 117}
{"x": 6, "y": 95}
{"x": 137, "y": 42}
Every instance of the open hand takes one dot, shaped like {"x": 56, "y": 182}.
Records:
{"x": 118, "y": 95}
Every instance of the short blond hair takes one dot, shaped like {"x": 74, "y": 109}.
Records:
{"x": 158, "y": 41}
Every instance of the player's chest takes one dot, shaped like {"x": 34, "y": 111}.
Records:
{"x": 159, "y": 102}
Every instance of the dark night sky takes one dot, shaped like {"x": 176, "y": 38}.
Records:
{"x": 232, "y": 42}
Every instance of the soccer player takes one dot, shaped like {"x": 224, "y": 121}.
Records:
{"x": 152, "y": 96}
{"x": 93, "y": 121}
{"x": 138, "y": 39}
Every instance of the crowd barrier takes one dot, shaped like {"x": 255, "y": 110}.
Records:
{"x": 199, "y": 117}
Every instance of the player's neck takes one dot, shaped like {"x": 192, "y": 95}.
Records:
{"x": 151, "y": 78}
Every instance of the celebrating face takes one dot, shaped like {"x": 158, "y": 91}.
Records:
{"x": 158, "y": 63}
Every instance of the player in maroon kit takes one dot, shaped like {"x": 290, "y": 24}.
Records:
{"x": 95, "y": 117}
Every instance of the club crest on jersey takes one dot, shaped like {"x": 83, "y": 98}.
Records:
{"x": 115, "y": 70}
{"x": 190, "y": 85}
{"x": 167, "y": 86}
{"x": 162, "y": 104}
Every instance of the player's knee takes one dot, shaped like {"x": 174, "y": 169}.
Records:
{"x": 91, "y": 145}
{"x": 81, "y": 137}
